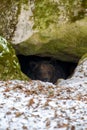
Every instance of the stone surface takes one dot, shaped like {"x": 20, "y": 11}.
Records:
{"x": 54, "y": 28}
{"x": 9, "y": 65}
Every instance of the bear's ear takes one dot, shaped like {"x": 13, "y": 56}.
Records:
{"x": 33, "y": 65}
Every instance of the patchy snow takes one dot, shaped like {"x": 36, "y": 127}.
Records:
{"x": 36, "y": 105}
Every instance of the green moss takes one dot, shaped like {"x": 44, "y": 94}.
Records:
{"x": 44, "y": 13}
{"x": 8, "y": 17}
{"x": 24, "y": 2}
{"x": 9, "y": 12}
{"x": 67, "y": 42}
{"x": 54, "y": 12}
{"x": 9, "y": 65}
{"x": 61, "y": 28}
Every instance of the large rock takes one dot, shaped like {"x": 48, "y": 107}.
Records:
{"x": 53, "y": 28}
{"x": 9, "y": 65}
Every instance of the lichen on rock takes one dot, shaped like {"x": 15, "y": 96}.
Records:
{"x": 57, "y": 12}
{"x": 55, "y": 28}
{"x": 9, "y": 65}
{"x": 58, "y": 29}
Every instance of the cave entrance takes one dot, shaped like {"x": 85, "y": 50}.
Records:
{"x": 46, "y": 69}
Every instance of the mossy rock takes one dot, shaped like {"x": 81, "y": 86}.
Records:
{"x": 54, "y": 28}
{"x": 9, "y": 65}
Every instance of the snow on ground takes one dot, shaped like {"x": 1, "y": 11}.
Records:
{"x": 36, "y": 105}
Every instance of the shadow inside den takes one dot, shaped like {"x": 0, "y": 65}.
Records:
{"x": 45, "y": 69}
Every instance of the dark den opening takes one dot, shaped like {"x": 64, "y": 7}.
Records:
{"x": 45, "y": 68}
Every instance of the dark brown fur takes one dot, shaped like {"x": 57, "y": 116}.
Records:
{"x": 45, "y": 71}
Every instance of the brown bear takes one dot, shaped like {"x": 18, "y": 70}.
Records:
{"x": 45, "y": 68}
{"x": 45, "y": 71}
